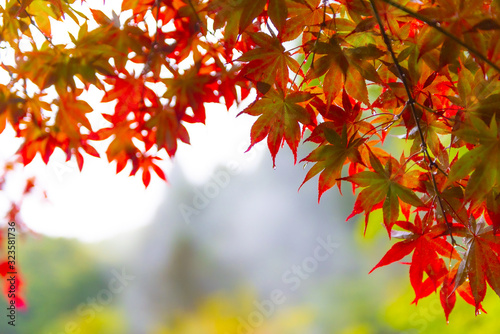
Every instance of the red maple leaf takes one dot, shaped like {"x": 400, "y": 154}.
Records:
{"x": 427, "y": 243}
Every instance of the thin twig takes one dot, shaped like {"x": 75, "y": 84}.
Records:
{"x": 300, "y": 67}
{"x": 375, "y": 115}
{"x": 407, "y": 160}
{"x": 388, "y": 125}
{"x": 436, "y": 112}
{"x": 411, "y": 103}
{"x": 38, "y": 28}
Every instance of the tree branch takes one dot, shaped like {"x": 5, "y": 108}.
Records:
{"x": 411, "y": 101}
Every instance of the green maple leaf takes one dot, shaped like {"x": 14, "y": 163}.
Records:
{"x": 385, "y": 186}
{"x": 482, "y": 162}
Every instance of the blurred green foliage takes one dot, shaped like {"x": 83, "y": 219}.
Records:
{"x": 59, "y": 274}
{"x": 62, "y": 274}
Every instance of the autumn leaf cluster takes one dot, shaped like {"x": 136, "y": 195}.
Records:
{"x": 347, "y": 75}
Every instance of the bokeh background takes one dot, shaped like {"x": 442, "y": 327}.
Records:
{"x": 230, "y": 251}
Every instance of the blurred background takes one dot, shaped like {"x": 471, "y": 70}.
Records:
{"x": 228, "y": 246}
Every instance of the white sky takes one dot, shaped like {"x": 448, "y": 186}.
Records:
{"x": 97, "y": 203}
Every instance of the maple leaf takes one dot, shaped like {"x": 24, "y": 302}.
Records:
{"x": 333, "y": 64}
{"x": 228, "y": 82}
{"x": 166, "y": 130}
{"x": 131, "y": 95}
{"x": 145, "y": 162}
{"x": 302, "y": 14}
{"x": 481, "y": 261}
{"x": 337, "y": 64}
{"x": 137, "y": 6}
{"x": 191, "y": 90}
{"x": 37, "y": 139}
{"x": 121, "y": 149}
{"x": 226, "y": 13}
{"x": 186, "y": 39}
{"x": 279, "y": 118}
{"x": 482, "y": 162}
{"x": 348, "y": 115}
{"x": 330, "y": 158}
{"x": 11, "y": 109}
{"x": 72, "y": 115}
{"x": 269, "y": 63}
{"x": 386, "y": 186}
{"x": 426, "y": 242}
{"x": 447, "y": 295}
{"x": 238, "y": 15}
